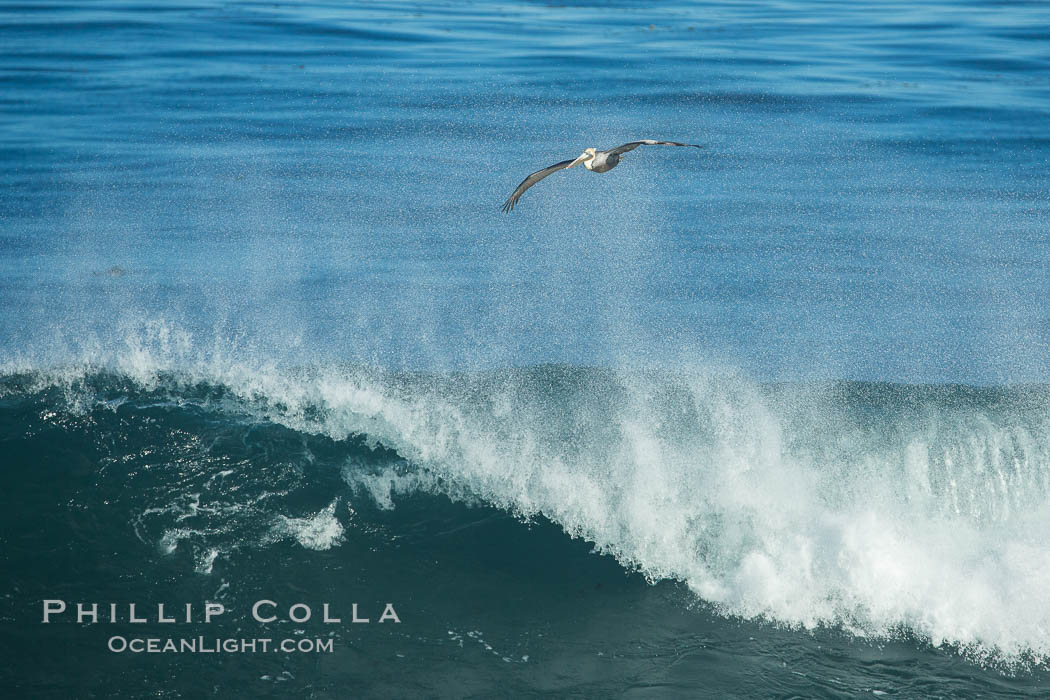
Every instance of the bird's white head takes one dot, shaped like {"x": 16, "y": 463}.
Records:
{"x": 587, "y": 155}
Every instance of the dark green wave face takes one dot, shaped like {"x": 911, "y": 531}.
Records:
{"x": 576, "y": 530}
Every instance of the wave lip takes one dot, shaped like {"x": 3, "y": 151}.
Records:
{"x": 793, "y": 506}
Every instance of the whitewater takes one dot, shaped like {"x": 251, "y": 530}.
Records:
{"x": 882, "y": 509}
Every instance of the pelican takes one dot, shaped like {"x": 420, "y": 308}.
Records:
{"x": 592, "y": 159}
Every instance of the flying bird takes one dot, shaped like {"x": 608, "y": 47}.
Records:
{"x": 592, "y": 159}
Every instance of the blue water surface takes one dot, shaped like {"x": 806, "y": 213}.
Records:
{"x": 322, "y": 180}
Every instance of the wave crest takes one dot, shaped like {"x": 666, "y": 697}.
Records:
{"x": 876, "y": 508}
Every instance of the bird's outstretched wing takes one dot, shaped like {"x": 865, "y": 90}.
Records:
{"x": 647, "y": 142}
{"x": 532, "y": 180}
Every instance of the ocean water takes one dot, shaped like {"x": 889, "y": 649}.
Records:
{"x": 767, "y": 419}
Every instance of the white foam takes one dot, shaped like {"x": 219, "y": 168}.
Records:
{"x": 320, "y": 531}
{"x": 933, "y": 526}
{"x": 205, "y": 561}
{"x": 384, "y": 486}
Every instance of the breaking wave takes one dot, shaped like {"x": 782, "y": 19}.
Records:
{"x": 880, "y": 509}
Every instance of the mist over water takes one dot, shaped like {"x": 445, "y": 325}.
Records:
{"x": 263, "y": 330}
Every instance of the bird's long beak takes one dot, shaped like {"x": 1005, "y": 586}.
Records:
{"x": 583, "y": 156}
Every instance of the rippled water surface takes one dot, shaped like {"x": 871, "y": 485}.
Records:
{"x": 872, "y": 202}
